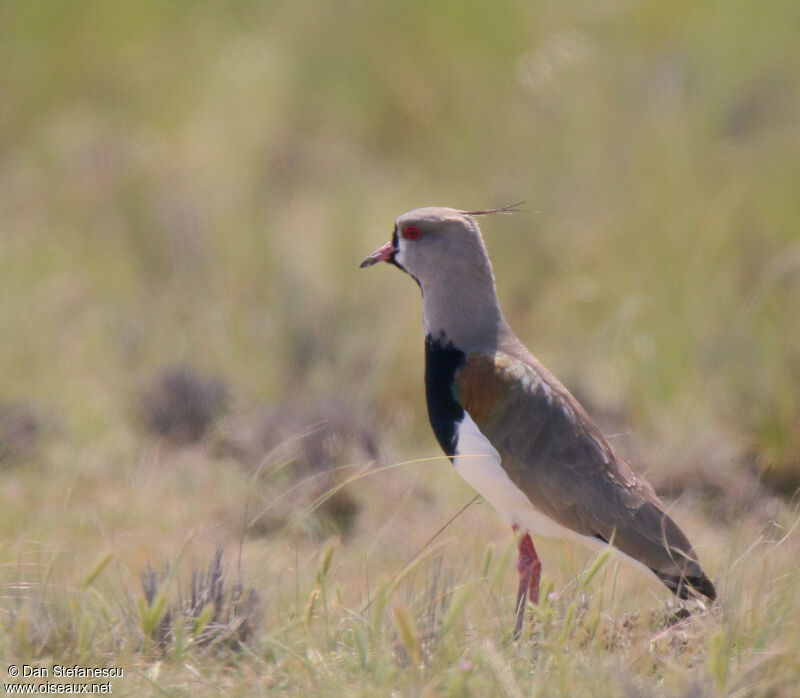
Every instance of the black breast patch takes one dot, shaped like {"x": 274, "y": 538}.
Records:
{"x": 442, "y": 360}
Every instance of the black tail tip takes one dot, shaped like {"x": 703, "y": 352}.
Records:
{"x": 685, "y": 586}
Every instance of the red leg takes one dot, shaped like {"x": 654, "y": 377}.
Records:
{"x": 530, "y": 571}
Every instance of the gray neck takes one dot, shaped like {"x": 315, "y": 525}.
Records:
{"x": 466, "y": 312}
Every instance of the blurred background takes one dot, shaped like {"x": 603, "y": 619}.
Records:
{"x": 187, "y": 189}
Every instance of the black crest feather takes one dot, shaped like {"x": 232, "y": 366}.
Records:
{"x": 511, "y": 208}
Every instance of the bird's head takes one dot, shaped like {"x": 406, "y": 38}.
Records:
{"x": 442, "y": 249}
{"x": 434, "y": 243}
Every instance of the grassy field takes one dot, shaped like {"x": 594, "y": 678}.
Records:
{"x": 190, "y": 360}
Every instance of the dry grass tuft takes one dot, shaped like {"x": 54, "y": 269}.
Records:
{"x": 307, "y": 454}
{"x": 210, "y": 612}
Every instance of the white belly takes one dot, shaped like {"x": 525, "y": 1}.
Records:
{"x": 478, "y": 462}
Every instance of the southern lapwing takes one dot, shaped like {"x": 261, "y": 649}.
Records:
{"x": 511, "y": 429}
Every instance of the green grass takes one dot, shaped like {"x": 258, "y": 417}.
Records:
{"x": 337, "y": 619}
{"x": 196, "y": 183}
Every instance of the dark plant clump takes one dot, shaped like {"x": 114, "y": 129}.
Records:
{"x": 181, "y": 404}
{"x": 211, "y": 611}
{"x": 19, "y": 430}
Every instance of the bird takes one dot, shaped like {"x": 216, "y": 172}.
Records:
{"x": 510, "y": 427}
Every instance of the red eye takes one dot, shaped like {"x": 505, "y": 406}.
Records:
{"x": 411, "y": 232}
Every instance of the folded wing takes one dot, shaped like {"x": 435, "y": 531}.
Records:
{"x": 553, "y": 451}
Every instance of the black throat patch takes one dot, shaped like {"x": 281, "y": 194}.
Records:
{"x": 442, "y": 360}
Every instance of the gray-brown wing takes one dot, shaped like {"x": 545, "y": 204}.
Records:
{"x": 554, "y": 452}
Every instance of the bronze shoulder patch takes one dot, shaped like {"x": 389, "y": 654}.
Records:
{"x": 480, "y": 384}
